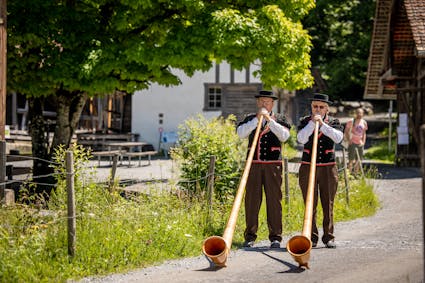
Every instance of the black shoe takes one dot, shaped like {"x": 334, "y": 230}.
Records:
{"x": 248, "y": 244}
{"x": 331, "y": 245}
{"x": 275, "y": 244}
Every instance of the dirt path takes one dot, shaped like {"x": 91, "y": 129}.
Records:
{"x": 387, "y": 247}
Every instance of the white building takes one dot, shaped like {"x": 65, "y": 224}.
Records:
{"x": 162, "y": 109}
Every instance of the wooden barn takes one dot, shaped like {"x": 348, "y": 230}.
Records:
{"x": 396, "y": 70}
{"x": 111, "y": 113}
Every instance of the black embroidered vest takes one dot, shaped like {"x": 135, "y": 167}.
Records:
{"x": 325, "y": 145}
{"x": 268, "y": 146}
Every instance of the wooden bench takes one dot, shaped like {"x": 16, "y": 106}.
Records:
{"x": 99, "y": 141}
{"x": 16, "y": 170}
{"x": 106, "y": 153}
{"x": 139, "y": 154}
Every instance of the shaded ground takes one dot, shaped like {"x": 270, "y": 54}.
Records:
{"x": 387, "y": 247}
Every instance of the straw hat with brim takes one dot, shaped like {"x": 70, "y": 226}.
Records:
{"x": 321, "y": 97}
{"x": 266, "y": 93}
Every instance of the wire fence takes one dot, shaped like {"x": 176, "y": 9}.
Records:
{"x": 30, "y": 179}
{"x": 71, "y": 216}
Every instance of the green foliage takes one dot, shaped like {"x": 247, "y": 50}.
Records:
{"x": 199, "y": 139}
{"x": 267, "y": 35}
{"x": 81, "y": 156}
{"x": 381, "y": 152}
{"x": 75, "y": 49}
{"x": 89, "y": 196}
{"x": 289, "y": 148}
{"x": 113, "y": 233}
{"x": 341, "y": 33}
{"x": 117, "y": 234}
{"x": 385, "y": 132}
{"x": 292, "y": 140}
{"x": 97, "y": 47}
{"x": 70, "y": 50}
{"x": 362, "y": 202}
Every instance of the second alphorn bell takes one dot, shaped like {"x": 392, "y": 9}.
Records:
{"x": 299, "y": 246}
{"x": 216, "y": 248}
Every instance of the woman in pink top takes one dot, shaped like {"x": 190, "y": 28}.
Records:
{"x": 355, "y": 133}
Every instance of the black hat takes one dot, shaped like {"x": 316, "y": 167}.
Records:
{"x": 266, "y": 93}
{"x": 321, "y": 97}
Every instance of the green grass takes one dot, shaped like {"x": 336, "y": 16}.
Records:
{"x": 381, "y": 153}
{"x": 116, "y": 234}
{"x": 119, "y": 235}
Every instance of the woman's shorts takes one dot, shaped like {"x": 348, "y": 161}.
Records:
{"x": 352, "y": 155}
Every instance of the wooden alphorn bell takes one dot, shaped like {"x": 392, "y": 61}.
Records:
{"x": 216, "y": 248}
{"x": 299, "y": 246}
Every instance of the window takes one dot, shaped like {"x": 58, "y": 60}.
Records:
{"x": 213, "y": 98}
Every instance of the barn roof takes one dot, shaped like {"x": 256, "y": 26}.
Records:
{"x": 415, "y": 10}
{"x": 398, "y": 40}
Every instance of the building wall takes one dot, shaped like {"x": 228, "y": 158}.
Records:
{"x": 177, "y": 103}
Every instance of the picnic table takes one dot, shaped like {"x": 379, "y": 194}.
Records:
{"x": 125, "y": 149}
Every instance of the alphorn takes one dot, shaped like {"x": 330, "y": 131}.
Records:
{"x": 299, "y": 246}
{"x": 216, "y": 248}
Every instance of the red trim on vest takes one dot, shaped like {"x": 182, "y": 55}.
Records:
{"x": 319, "y": 164}
{"x": 267, "y": 161}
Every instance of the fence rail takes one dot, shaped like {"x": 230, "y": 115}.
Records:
{"x": 288, "y": 168}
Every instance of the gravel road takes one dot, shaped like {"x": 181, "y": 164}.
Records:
{"x": 387, "y": 247}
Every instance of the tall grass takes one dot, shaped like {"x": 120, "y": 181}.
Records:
{"x": 116, "y": 233}
{"x": 379, "y": 151}
{"x": 362, "y": 202}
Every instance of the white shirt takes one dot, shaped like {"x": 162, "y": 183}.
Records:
{"x": 281, "y": 132}
{"x": 335, "y": 135}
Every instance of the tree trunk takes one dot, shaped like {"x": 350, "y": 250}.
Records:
{"x": 40, "y": 147}
{"x": 69, "y": 107}
{"x": 68, "y": 111}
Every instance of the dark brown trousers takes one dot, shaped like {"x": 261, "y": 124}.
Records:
{"x": 268, "y": 176}
{"x": 326, "y": 185}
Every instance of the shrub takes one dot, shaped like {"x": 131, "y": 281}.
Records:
{"x": 199, "y": 139}
{"x": 84, "y": 192}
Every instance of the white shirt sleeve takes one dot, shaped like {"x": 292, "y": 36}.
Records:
{"x": 333, "y": 134}
{"x": 305, "y": 133}
{"x": 281, "y": 132}
{"x": 245, "y": 129}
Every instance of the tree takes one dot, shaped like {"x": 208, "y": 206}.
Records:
{"x": 66, "y": 50}
{"x": 341, "y": 33}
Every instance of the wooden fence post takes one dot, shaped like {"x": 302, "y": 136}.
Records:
{"x": 210, "y": 195}
{"x": 2, "y": 169}
{"x": 71, "y": 203}
{"x": 113, "y": 171}
{"x": 359, "y": 162}
{"x": 422, "y": 153}
{"x": 286, "y": 175}
{"x": 347, "y": 188}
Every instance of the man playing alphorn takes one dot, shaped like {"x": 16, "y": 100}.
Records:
{"x": 266, "y": 169}
{"x": 326, "y": 183}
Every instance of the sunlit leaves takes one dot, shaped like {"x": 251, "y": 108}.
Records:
{"x": 100, "y": 46}
{"x": 341, "y": 32}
